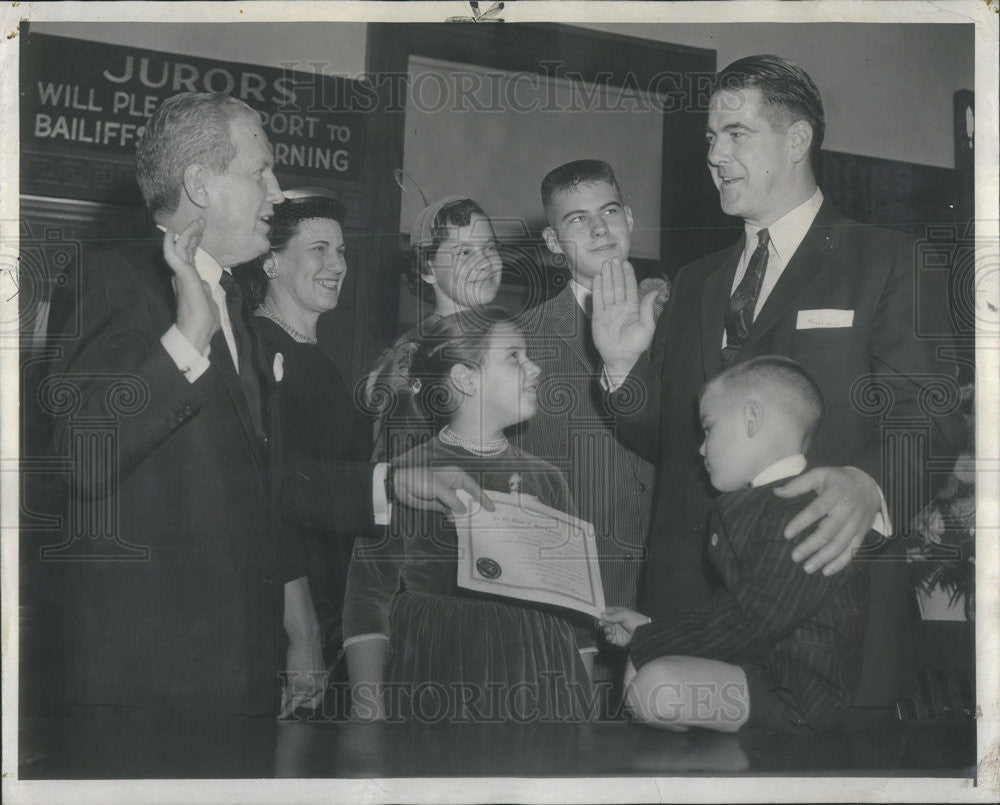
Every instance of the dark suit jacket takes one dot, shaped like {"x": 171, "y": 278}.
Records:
{"x": 322, "y": 427}
{"x": 192, "y": 620}
{"x": 573, "y": 430}
{"x": 873, "y": 377}
{"x": 804, "y": 631}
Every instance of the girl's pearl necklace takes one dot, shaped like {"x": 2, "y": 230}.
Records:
{"x": 489, "y": 447}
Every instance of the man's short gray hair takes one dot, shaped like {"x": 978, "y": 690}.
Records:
{"x": 187, "y": 129}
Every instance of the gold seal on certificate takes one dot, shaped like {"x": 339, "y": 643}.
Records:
{"x": 529, "y": 551}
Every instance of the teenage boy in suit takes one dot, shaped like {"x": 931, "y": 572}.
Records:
{"x": 612, "y": 487}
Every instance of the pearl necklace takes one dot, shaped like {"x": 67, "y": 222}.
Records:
{"x": 302, "y": 338}
{"x": 489, "y": 447}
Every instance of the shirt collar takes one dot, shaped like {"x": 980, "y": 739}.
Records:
{"x": 208, "y": 267}
{"x": 788, "y": 231}
{"x": 783, "y": 468}
{"x": 581, "y": 293}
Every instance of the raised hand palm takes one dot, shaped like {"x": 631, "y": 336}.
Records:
{"x": 622, "y": 330}
{"x": 197, "y": 314}
{"x": 622, "y": 327}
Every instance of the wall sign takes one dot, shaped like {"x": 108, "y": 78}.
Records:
{"x": 83, "y": 106}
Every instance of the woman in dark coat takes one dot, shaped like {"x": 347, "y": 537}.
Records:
{"x": 300, "y": 278}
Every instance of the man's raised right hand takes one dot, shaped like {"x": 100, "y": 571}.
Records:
{"x": 197, "y": 313}
{"x": 622, "y": 326}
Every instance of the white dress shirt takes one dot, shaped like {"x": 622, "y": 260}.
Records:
{"x": 785, "y": 236}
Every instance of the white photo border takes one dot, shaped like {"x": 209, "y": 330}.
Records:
{"x": 982, "y": 13}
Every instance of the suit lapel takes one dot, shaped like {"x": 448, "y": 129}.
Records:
{"x": 222, "y": 360}
{"x": 269, "y": 394}
{"x": 714, "y": 301}
{"x": 811, "y": 258}
{"x": 572, "y": 326}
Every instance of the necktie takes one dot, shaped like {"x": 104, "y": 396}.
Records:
{"x": 246, "y": 350}
{"x": 739, "y": 315}
{"x": 588, "y": 336}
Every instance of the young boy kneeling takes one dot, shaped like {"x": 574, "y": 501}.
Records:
{"x": 778, "y": 648}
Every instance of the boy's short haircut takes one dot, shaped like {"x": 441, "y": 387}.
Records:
{"x": 787, "y": 380}
{"x": 568, "y": 176}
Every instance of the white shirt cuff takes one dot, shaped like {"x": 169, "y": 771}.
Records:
{"x": 184, "y": 354}
{"x": 611, "y": 384}
{"x": 361, "y": 638}
{"x": 882, "y": 522}
{"x": 380, "y": 504}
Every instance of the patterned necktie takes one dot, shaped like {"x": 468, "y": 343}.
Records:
{"x": 246, "y": 350}
{"x": 588, "y": 337}
{"x": 739, "y": 315}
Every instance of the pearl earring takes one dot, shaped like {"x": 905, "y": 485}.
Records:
{"x": 270, "y": 269}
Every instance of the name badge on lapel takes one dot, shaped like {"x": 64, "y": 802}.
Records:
{"x": 823, "y": 319}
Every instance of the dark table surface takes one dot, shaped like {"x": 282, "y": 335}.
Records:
{"x": 115, "y": 748}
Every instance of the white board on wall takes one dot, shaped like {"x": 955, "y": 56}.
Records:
{"x": 492, "y": 135}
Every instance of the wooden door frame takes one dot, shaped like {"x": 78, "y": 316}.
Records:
{"x": 691, "y": 223}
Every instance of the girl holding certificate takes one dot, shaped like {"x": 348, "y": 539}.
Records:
{"x": 419, "y": 646}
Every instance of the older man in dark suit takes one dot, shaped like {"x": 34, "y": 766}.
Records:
{"x": 843, "y": 299}
{"x": 188, "y": 623}
{"x": 175, "y": 608}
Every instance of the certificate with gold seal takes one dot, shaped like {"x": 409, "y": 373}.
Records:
{"x": 529, "y": 551}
